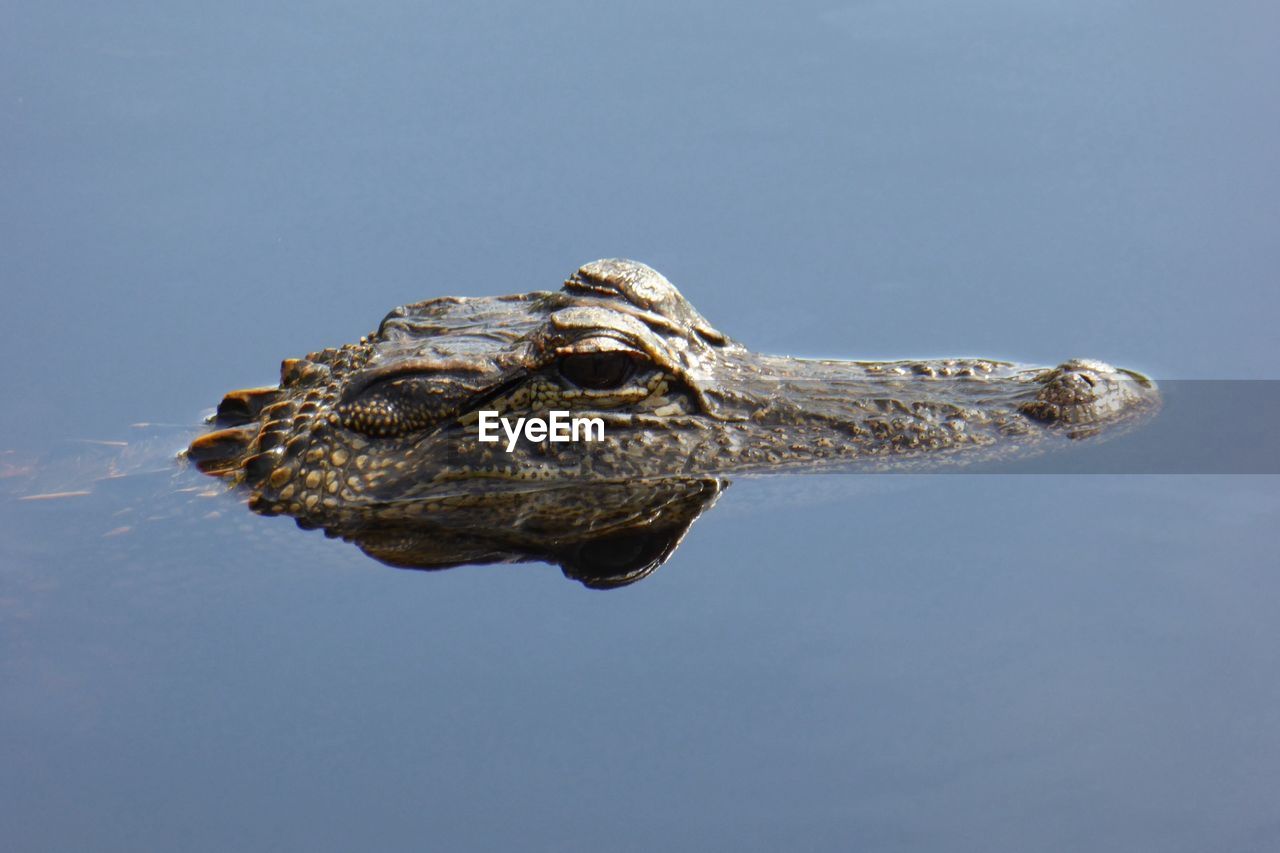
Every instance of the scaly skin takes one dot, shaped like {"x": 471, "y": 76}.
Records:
{"x": 386, "y": 428}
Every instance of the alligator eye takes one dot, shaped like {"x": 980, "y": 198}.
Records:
{"x": 597, "y": 371}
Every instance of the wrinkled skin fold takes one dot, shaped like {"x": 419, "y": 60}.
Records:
{"x": 378, "y": 441}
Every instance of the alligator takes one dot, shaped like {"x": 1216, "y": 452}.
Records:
{"x": 379, "y": 441}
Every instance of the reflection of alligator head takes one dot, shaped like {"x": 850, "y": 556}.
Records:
{"x": 605, "y": 533}
{"x": 353, "y": 436}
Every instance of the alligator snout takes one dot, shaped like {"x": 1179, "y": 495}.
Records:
{"x": 1089, "y": 394}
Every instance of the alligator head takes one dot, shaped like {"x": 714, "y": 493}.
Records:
{"x": 395, "y": 419}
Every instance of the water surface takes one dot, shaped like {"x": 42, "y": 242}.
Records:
{"x": 958, "y": 662}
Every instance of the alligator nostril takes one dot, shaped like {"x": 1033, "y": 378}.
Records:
{"x": 1081, "y": 392}
{"x": 1143, "y": 380}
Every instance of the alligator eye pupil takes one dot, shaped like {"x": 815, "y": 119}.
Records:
{"x": 597, "y": 370}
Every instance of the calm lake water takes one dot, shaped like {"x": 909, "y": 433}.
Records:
{"x": 1035, "y": 661}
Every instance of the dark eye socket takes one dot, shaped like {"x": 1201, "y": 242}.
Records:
{"x": 597, "y": 371}
{"x": 618, "y": 560}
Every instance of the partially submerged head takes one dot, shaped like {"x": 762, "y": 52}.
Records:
{"x": 395, "y": 416}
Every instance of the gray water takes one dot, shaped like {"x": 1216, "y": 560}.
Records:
{"x": 191, "y": 192}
